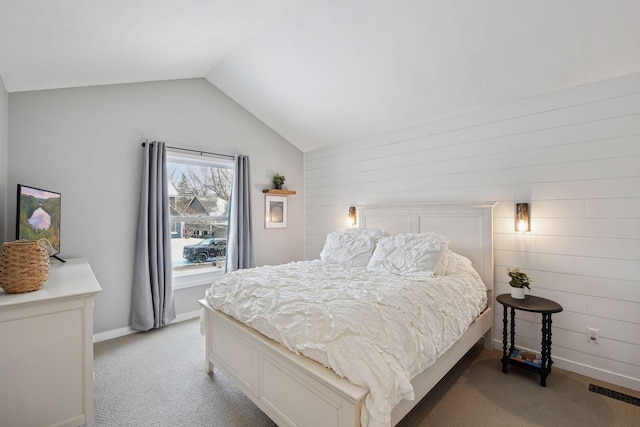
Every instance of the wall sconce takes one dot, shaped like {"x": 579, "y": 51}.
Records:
{"x": 522, "y": 217}
{"x": 352, "y": 216}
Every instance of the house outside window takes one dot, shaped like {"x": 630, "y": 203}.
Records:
{"x": 199, "y": 190}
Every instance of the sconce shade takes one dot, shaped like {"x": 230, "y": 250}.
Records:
{"x": 522, "y": 217}
{"x": 352, "y": 215}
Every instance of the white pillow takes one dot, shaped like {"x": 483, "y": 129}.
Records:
{"x": 376, "y": 233}
{"x": 352, "y": 249}
{"x": 422, "y": 255}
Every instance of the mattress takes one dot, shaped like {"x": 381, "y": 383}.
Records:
{"x": 378, "y": 330}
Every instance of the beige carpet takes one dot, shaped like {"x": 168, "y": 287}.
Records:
{"x": 477, "y": 393}
{"x": 158, "y": 379}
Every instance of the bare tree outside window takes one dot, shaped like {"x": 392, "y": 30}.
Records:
{"x": 203, "y": 181}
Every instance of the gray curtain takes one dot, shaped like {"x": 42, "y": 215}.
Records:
{"x": 240, "y": 238}
{"x": 152, "y": 296}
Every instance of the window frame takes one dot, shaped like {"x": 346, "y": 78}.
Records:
{"x": 190, "y": 279}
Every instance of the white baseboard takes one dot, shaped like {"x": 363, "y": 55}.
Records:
{"x": 586, "y": 370}
{"x": 103, "y": 336}
{"x": 598, "y": 374}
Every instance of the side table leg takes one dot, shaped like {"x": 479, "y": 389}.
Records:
{"x": 513, "y": 330}
{"x": 505, "y": 359}
{"x": 544, "y": 369}
{"x": 549, "y": 342}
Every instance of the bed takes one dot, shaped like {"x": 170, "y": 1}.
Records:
{"x": 294, "y": 390}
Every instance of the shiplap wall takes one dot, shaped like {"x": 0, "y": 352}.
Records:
{"x": 574, "y": 156}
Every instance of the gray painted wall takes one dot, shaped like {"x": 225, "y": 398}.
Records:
{"x": 4, "y": 135}
{"x": 574, "y": 156}
{"x": 85, "y": 143}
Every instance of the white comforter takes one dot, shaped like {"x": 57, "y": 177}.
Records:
{"x": 377, "y": 330}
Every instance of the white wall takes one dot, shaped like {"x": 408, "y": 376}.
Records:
{"x": 4, "y": 134}
{"x": 85, "y": 143}
{"x": 574, "y": 156}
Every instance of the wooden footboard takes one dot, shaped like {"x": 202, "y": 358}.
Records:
{"x": 296, "y": 391}
{"x": 291, "y": 389}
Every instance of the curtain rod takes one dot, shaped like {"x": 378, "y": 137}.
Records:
{"x": 201, "y": 152}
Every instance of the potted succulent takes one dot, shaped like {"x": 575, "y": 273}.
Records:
{"x": 278, "y": 180}
{"x": 519, "y": 281}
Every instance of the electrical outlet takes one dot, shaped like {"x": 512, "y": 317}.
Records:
{"x": 593, "y": 335}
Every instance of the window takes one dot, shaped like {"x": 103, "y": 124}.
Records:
{"x": 199, "y": 190}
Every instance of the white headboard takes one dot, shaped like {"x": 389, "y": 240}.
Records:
{"x": 468, "y": 225}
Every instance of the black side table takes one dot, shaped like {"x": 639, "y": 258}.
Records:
{"x": 513, "y": 356}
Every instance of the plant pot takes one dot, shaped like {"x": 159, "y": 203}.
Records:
{"x": 278, "y": 186}
{"x": 517, "y": 293}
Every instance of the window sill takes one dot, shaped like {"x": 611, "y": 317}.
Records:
{"x": 200, "y": 278}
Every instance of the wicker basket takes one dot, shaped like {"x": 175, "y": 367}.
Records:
{"x": 24, "y": 265}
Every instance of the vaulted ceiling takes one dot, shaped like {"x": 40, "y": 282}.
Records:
{"x": 321, "y": 72}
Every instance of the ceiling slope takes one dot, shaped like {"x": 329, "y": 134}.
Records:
{"x": 46, "y": 44}
{"x": 329, "y": 72}
{"x": 321, "y": 72}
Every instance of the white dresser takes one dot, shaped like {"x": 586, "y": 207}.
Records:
{"x": 46, "y": 350}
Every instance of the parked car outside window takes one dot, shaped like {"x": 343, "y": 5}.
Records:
{"x": 205, "y": 250}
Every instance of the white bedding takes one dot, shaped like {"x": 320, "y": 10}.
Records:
{"x": 378, "y": 330}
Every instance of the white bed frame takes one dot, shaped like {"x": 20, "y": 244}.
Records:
{"x": 296, "y": 391}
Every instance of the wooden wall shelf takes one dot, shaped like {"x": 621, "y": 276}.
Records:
{"x": 279, "y": 192}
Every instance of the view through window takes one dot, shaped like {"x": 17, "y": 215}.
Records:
{"x": 199, "y": 190}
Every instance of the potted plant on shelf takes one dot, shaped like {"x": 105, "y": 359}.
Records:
{"x": 519, "y": 281}
{"x": 278, "y": 180}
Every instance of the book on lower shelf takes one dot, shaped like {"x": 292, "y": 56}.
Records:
{"x": 527, "y": 358}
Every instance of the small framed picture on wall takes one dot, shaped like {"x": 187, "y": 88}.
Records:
{"x": 275, "y": 212}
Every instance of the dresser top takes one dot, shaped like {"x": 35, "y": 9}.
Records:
{"x": 66, "y": 280}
